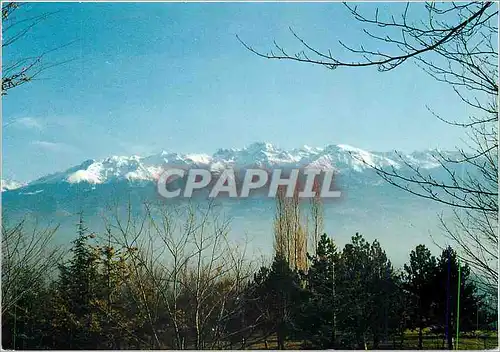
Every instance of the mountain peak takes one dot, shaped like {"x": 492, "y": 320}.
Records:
{"x": 8, "y": 185}
{"x": 348, "y": 148}
{"x": 260, "y": 146}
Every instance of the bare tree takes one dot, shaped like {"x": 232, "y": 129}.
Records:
{"x": 456, "y": 44}
{"x": 290, "y": 234}
{"x": 188, "y": 277}
{"x": 16, "y": 24}
{"x": 27, "y": 256}
{"x": 28, "y": 262}
{"x": 316, "y": 210}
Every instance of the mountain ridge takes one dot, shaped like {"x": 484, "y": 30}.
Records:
{"x": 340, "y": 157}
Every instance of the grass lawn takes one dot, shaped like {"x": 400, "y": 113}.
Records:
{"x": 481, "y": 341}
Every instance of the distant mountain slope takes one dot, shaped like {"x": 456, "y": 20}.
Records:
{"x": 342, "y": 158}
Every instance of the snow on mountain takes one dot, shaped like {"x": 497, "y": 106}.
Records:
{"x": 361, "y": 159}
{"x": 8, "y": 185}
{"x": 256, "y": 154}
{"x": 342, "y": 158}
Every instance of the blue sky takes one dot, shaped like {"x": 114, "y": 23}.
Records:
{"x": 148, "y": 77}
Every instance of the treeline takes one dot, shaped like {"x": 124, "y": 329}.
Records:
{"x": 154, "y": 283}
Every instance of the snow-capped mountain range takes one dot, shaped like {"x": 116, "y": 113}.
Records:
{"x": 10, "y": 185}
{"x": 368, "y": 204}
{"x": 341, "y": 157}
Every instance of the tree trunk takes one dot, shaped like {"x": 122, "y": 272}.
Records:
{"x": 376, "y": 341}
{"x": 420, "y": 329}
{"x": 402, "y": 341}
{"x": 280, "y": 336}
{"x": 450, "y": 337}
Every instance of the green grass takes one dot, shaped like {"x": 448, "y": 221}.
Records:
{"x": 479, "y": 341}
{"x": 465, "y": 342}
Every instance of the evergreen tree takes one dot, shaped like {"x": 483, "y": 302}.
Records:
{"x": 383, "y": 289}
{"x": 366, "y": 287}
{"x": 446, "y": 294}
{"x": 353, "y": 294}
{"x": 280, "y": 291}
{"x": 317, "y": 320}
{"x": 76, "y": 289}
{"x": 418, "y": 282}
